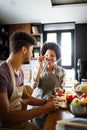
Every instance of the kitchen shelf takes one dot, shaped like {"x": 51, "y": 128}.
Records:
{"x": 36, "y": 32}
{"x": 4, "y": 42}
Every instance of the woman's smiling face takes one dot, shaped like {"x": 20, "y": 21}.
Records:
{"x": 50, "y": 56}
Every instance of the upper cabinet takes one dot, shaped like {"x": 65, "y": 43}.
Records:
{"x": 4, "y": 42}
{"x": 21, "y": 27}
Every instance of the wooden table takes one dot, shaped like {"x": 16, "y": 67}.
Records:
{"x": 58, "y": 115}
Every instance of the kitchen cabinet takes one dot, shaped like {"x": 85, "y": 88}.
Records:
{"x": 21, "y": 27}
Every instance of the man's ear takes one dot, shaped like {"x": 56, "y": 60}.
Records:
{"x": 24, "y": 50}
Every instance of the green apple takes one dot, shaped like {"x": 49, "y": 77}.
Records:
{"x": 75, "y": 102}
{"x": 83, "y": 101}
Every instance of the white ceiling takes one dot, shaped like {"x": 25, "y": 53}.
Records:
{"x": 32, "y": 11}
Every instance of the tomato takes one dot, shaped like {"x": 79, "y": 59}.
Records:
{"x": 69, "y": 98}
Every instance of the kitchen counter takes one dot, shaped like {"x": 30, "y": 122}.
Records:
{"x": 52, "y": 118}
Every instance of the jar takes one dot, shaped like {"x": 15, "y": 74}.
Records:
{"x": 84, "y": 86}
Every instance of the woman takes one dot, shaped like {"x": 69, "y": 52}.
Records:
{"x": 49, "y": 76}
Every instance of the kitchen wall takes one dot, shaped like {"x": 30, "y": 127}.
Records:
{"x": 80, "y": 43}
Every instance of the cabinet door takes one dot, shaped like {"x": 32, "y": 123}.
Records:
{"x": 21, "y": 27}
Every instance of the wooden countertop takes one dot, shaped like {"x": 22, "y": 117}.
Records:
{"x": 60, "y": 114}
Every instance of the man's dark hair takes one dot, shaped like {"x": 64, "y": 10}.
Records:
{"x": 53, "y": 46}
{"x": 19, "y": 39}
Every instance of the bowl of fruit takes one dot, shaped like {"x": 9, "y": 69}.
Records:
{"x": 78, "y": 106}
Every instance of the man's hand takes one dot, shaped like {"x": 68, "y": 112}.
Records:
{"x": 51, "y": 98}
{"x": 51, "y": 106}
{"x": 52, "y": 103}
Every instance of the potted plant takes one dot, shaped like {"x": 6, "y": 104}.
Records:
{"x": 38, "y": 40}
{"x": 36, "y": 53}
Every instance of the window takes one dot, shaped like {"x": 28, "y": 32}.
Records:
{"x": 52, "y": 37}
{"x": 66, "y": 49}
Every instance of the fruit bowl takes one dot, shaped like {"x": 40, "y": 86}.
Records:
{"x": 80, "y": 110}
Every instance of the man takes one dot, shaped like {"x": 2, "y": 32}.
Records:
{"x": 13, "y": 94}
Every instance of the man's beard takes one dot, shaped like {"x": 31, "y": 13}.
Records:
{"x": 26, "y": 61}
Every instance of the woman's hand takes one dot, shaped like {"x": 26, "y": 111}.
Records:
{"x": 58, "y": 90}
{"x": 40, "y": 60}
